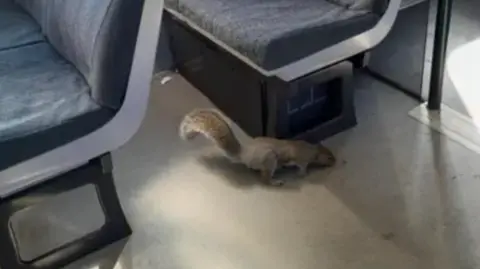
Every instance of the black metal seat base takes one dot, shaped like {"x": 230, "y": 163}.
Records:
{"x": 97, "y": 172}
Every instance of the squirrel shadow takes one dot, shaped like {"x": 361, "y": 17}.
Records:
{"x": 240, "y": 176}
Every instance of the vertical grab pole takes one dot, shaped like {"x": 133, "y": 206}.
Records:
{"x": 440, "y": 43}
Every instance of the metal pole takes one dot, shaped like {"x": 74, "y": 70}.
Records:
{"x": 440, "y": 43}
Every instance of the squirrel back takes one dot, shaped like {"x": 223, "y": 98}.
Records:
{"x": 213, "y": 126}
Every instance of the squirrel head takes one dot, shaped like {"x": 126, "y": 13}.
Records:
{"x": 324, "y": 156}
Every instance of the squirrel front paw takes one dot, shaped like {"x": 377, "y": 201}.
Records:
{"x": 267, "y": 176}
{"x": 302, "y": 171}
{"x": 277, "y": 182}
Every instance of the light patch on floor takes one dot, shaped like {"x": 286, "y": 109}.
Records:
{"x": 451, "y": 123}
{"x": 463, "y": 65}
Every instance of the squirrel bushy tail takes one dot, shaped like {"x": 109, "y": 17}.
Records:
{"x": 213, "y": 126}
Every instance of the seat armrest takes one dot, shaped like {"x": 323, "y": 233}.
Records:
{"x": 343, "y": 50}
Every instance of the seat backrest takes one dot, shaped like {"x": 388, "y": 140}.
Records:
{"x": 97, "y": 36}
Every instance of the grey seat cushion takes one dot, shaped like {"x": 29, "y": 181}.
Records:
{"x": 64, "y": 67}
{"x": 273, "y": 33}
{"x": 17, "y": 28}
{"x": 39, "y": 92}
{"x": 355, "y": 4}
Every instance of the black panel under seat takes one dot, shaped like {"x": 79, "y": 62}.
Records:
{"x": 314, "y": 107}
{"x": 96, "y": 173}
{"x": 310, "y": 106}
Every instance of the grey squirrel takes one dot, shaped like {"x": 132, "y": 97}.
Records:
{"x": 261, "y": 153}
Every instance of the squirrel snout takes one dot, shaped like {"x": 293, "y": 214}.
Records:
{"x": 326, "y": 158}
{"x": 330, "y": 160}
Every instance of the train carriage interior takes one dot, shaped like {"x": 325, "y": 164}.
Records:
{"x": 99, "y": 169}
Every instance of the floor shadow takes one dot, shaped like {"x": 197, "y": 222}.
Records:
{"x": 376, "y": 181}
{"x": 240, "y": 176}
{"x": 456, "y": 231}
{"x": 236, "y": 174}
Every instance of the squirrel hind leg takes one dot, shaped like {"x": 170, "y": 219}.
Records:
{"x": 269, "y": 166}
{"x": 302, "y": 170}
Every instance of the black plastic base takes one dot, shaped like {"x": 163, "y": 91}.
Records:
{"x": 98, "y": 173}
{"x": 361, "y": 60}
{"x": 310, "y": 108}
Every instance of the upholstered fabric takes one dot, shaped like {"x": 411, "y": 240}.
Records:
{"x": 39, "y": 90}
{"x": 273, "y": 33}
{"x": 92, "y": 34}
{"x": 16, "y": 27}
{"x": 377, "y": 6}
{"x": 38, "y": 9}
{"x": 355, "y": 4}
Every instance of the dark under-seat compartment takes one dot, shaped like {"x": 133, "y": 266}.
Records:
{"x": 311, "y": 108}
{"x": 313, "y": 105}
